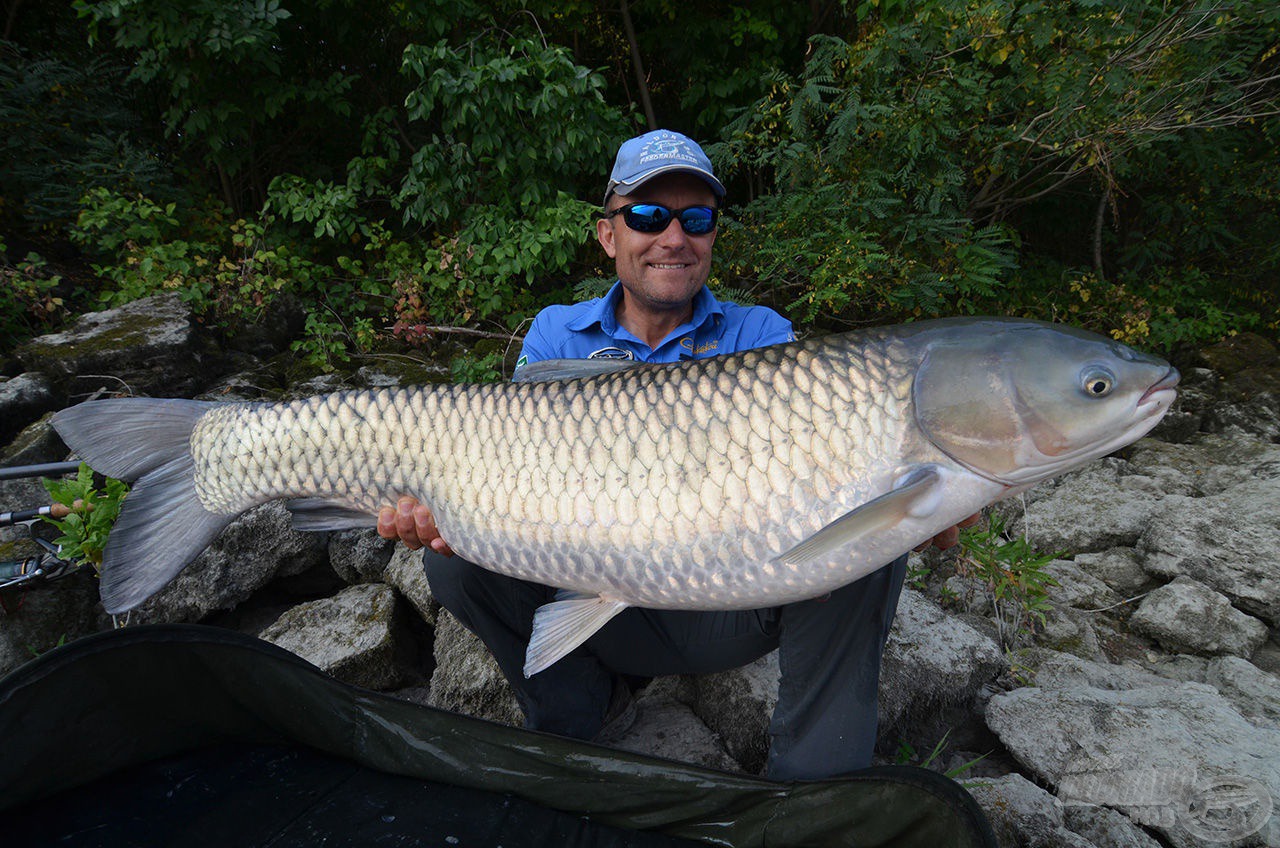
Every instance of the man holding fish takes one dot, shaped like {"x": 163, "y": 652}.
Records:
{"x": 660, "y": 310}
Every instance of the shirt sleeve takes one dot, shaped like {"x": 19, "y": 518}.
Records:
{"x": 538, "y": 343}
{"x": 773, "y": 328}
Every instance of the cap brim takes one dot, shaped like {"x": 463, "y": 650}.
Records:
{"x": 625, "y": 188}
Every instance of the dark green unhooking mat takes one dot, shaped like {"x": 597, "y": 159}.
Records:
{"x": 184, "y": 735}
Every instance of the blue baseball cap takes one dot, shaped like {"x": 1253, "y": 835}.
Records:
{"x": 642, "y": 158}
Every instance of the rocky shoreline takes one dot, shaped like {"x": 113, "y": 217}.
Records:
{"x": 1143, "y": 710}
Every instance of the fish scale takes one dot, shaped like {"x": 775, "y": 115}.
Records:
{"x": 740, "y": 481}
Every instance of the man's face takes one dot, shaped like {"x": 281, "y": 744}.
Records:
{"x": 660, "y": 271}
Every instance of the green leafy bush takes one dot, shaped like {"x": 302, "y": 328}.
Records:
{"x": 93, "y": 511}
{"x": 1013, "y": 573}
{"x": 28, "y": 302}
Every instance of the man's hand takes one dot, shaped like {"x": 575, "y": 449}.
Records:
{"x": 411, "y": 522}
{"x": 949, "y": 537}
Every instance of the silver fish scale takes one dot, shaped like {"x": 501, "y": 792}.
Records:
{"x": 662, "y": 487}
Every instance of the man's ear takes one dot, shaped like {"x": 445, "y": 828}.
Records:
{"x": 604, "y": 234}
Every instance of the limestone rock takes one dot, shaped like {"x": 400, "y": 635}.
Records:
{"x": 351, "y": 635}
{"x": 737, "y": 705}
{"x": 42, "y": 618}
{"x": 254, "y": 549}
{"x": 1077, "y": 587}
{"x": 1092, "y": 509}
{"x": 1105, "y": 827}
{"x": 1226, "y": 541}
{"x": 1023, "y": 814}
{"x": 405, "y": 572}
{"x": 145, "y": 347}
{"x": 1154, "y": 753}
{"x": 1187, "y": 616}
{"x": 932, "y": 659}
{"x": 467, "y": 679}
{"x": 23, "y": 399}
{"x": 666, "y": 727}
{"x": 1252, "y": 691}
{"x": 1119, "y": 569}
{"x": 36, "y": 443}
{"x": 359, "y": 556}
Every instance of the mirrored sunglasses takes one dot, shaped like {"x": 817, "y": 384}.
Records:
{"x": 654, "y": 218}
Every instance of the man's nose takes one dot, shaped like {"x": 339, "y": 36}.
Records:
{"x": 673, "y": 236}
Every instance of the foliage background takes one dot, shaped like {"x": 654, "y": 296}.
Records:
{"x": 387, "y": 172}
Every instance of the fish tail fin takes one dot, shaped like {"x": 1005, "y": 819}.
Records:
{"x": 162, "y": 525}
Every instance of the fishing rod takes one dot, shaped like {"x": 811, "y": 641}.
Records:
{"x": 47, "y": 469}
{"x": 49, "y": 564}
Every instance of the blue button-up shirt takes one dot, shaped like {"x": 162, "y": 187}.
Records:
{"x": 590, "y": 330}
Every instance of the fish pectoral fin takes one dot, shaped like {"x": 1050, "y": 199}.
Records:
{"x": 916, "y": 495}
{"x": 310, "y": 514}
{"x": 561, "y": 626}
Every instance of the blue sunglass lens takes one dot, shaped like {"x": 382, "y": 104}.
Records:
{"x": 654, "y": 218}
{"x": 698, "y": 220}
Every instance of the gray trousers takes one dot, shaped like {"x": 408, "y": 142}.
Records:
{"x": 829, "y": 650}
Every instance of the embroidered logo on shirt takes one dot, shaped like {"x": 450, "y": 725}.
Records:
{"x": 687, "y": 344}
{"x": 611, "y": 353}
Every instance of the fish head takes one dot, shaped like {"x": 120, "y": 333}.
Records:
{"x": 1023, "y": 401}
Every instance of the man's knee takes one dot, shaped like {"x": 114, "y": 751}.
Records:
{"x": 451, "y": 579}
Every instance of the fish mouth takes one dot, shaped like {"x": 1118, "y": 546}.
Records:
{"x": 1162, "y": 394}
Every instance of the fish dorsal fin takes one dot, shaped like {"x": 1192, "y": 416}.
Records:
{"x": 562, "y": 625}
{"x": 569, "y": 369}
{"x": 916, "y": 495}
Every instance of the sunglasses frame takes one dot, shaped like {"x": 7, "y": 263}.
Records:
{"x": 673, "y": 215}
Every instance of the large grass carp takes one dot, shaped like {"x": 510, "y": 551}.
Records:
{"x": 742, "y": 481}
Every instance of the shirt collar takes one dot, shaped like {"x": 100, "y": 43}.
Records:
{"x": 604, "y": 311}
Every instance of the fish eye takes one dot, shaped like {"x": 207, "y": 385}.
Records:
{"x": 1098, "y": 382}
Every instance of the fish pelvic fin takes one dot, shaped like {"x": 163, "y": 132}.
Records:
{"x": 561, "y": 626}
{"x": 319, "y": 514}
{"x": 162, "y": 525}
{"x": 917, "y": 494}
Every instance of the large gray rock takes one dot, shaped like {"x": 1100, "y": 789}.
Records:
{"x": 1226, "y": 541}
{"x": 405, "y": 572}
{"x": 931, "y": 660}
{"x": 40, "y": 619}
{"x": 1248, "y": 395}
{"x": 36, "y": 443}
{"x": 1209, "y": 465}
{"x": 23, "y": 399}
{"x": 359, "y": 556}
{"x": 1153, "y": 753}
{"x": 148, "y": 346}
{"x": 1119, "y": 568}
{"x": 256, "y": 548}
{"x": 737, "y": 705}
{"x": 1078, "y": 588}
{"x": 352, "y": 636}
{"x": 1057, "y": 670}
{"x": 1022, "y": 814}
{"x": 467, "y": 679}
{"x": 1252, "y": 691}
{"x": 1105, "y": 827}
{"x": 666, "y": 727}
{"x": 1100, "y": 506}
{"x": 1187, "y": 616}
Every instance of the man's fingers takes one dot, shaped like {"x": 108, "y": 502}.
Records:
{"x": 947, "y": 538}
{"x": 387, "y": 523}
{"x": 406, "y": 523}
